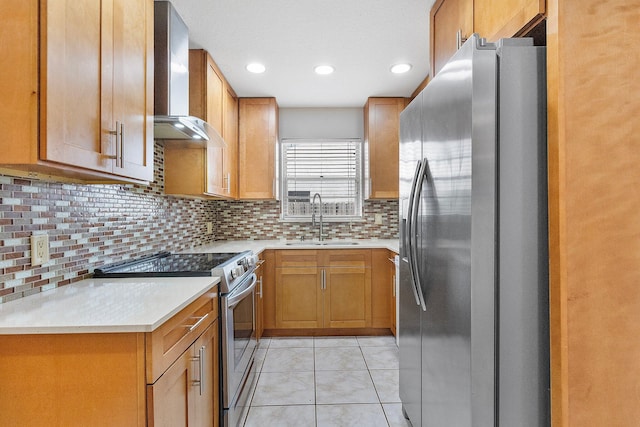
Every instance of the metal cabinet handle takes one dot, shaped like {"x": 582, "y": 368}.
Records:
{"x": 201, "y": 354}
{"x": 122, "y": 145}
{"x": 119, "y": 134}
{"x": 200, "y": 359}
{"x": 393, "y": 285}
{"x": 195, "y": 325}
{"x": 260, "y": 290}
{"x": 114, "y": 156}
{"x": 460, "y": 39}
{"x": 323, "y": 278}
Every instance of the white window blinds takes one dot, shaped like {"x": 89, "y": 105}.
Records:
{"x": 332, "y": 168}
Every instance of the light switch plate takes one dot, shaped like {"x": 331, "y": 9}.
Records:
{"x": 378, "y": 218}
{"x": 209, "y": 227}
{"x": 39, "y": 249}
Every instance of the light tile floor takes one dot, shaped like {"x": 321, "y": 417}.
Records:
{"x": 326, "y": 382}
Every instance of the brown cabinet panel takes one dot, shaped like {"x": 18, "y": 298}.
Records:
{"x": 72, "y": 380}
{"x": 230, "y": 132}
{"x": 93, "y": 116}
{"x": 347, "y": 296}
{"x": 199, "y": 169}
{"x": 187, "y": 392}
{"x": 382, "y": 135}
{"x": 259, "y": 299}
{"x": 258, "y": 134}
{"x": 298, "y": 298}
{"x": 269, "y": 289}
{"x": 381, "y": 289}
{"x": 495, "y": 19}
{"x": 323, "y": 289}
{"x": 133, "y": 87}
{"x": 449, "y": 18}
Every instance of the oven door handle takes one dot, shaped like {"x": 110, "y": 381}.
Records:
{"x": 235, "y": 298}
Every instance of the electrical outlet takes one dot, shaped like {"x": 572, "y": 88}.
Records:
{"x": 39, "y": 249}
{"x": 378, "y": 218}
{"x": 209, "y": 227}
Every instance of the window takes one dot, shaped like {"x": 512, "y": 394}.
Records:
{"x": 331, "y": 168}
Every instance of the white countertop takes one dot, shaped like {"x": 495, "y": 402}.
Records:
{"x": 103, "y": 305}
{"x": 258, "y": 246}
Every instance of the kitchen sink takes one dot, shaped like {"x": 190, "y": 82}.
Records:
{"x": 316, "y": 243}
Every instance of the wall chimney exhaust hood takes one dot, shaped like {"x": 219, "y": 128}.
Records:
{"x": 171, "y": 105}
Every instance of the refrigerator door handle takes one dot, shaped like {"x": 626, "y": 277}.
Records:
{"x": 414, "y": 218}
{"x": 409, "y": 232}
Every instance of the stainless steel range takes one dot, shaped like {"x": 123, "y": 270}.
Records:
{"x": 237, "y": 308}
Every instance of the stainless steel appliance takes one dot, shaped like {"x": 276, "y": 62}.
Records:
{"x": 237, "y": 310}
{"x": 171, "y": 80}
{"x": 473, "y": 321}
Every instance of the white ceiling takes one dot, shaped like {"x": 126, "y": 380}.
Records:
{"x": 362, "y": 39}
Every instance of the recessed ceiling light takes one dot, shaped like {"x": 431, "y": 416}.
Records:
{"x": 324, "y": 69}
{"x": 256, "y": 68}
{"x": 400, "y": 68}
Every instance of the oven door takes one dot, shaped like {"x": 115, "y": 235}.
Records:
{"x": 239, "y": 343}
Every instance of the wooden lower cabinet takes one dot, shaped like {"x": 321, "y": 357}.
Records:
{"x": 116, "y": 379}
{"x": 299, "y": 302}
{"x": 187, "y": 393}
{"x": 259, "y": 298}
{"x": 322, "y": 289}
{"x": 383, "y": 289}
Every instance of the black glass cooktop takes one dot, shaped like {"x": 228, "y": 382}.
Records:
{"x": 165, "y": 264}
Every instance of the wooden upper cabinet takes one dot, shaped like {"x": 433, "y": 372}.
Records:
{"x": 451, "y": 23}
{"x": 382, "y": 134}
{"x": 258, "y": 135}
{"x": 495, "y": 19}
{"x": 208, "y": 169}
{"x": 230, "y": 132}
{"x": 88, "y": 119}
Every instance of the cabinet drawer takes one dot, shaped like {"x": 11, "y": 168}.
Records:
{"x": 297, "y": 258}
{"x": 169, "y": 341}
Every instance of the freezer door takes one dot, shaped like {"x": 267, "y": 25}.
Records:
{"x": 459, "y": 129}
{"x": 409, "y": 310}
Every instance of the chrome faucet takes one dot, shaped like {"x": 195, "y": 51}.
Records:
{"x": 313, "y": 214}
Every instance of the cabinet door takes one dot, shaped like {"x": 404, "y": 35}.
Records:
{"x": 381, "y": 292}
{"x": 259, "y": 302}
{"x": 269, "y": 289}
{"x": 448, "y": 19}
{"x": 347, "y": 293}
{"x": 258, "y": 119}
{"x": 230, "y": 134}
{"x": 170, "y": 398}
{"x": 206, "y": 387}
{"x": 74, "y": 131}
{"x": 298, "y": 297}
{"x": 187, "y": 393}
{"x": 495, "y": 19}
{"x": 213, "y": 116}
{"x": 132, "y": 95}
{"x": 382, "y": 134}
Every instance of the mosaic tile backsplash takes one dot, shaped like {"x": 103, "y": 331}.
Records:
{"x": 259, "y": 220}
{"x": 92, "y": 225}
{"x": 88, "y": 226}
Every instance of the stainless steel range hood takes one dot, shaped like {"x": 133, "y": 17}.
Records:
{"x": 172, "y": 120}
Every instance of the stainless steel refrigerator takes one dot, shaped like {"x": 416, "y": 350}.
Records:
{"x": 473, "y": 315}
